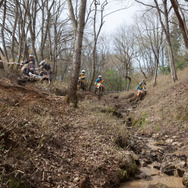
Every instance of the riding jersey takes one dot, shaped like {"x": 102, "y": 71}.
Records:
{"x": 82, "y": 77}
{"x": 47, "y": 67}
{"x": 140, "y": 86}
{"x": 31, "y": 64}
{"x": 99, "y": 80}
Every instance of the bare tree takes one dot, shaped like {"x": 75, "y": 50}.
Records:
{"x": 153, "y": 36}
{"x": 96, "y": 33}
{"x": 124, "y": 48}
{"x": 165, "y": 27}
{"x": 144, "y": 54}
{"x": 78, "y": 27}
{"x": 23, "y": 31}
{"x": 1, "y": 2}
{"x": 182, "y": 22}
{"x": 45, "y": 24}
{"x": 23, "y": 28}
{"x": 14, "y": 30}
{"x": 168, "y": 39}
{"x": 32, "y": 17}
{"x": 57, "y": 30}
{"x": 3, "y": 30}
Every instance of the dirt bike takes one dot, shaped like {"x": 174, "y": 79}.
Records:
{"x": 47, "y": 75}
{"x": 81, "y": 84}
{"x": 26, "y": 68}
{"x": 99, "y": 89}
{"x": 29, "y": 75}
{"x": 141, "y": 93}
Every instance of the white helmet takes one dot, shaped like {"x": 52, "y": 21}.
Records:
{"x": 31, "y": 55}
{"x": 99, "y": 76}
{"x": 42, "y": 62}
{"x": 83, "y": 71}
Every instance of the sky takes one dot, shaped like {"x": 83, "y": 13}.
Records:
{"x": 115, "y": 20}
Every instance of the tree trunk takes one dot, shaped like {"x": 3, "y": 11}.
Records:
{"x": 155, "y": 72}
{"x": 96, "y": 37}
{"x": 2, "y": 32}
{"x": 169, "y": 46}
{"x": 94, "y": 50}
{"x": 182, "y": 23}
{"x": 1, "y": 2}
{"x": 32, "y": 26}
{"x": 93, "y": 67}
{"x": 44, "y": 33}
{"x": 55, "y": 49}
{"x": 167, "y": 34}
{"x": 13, "y": 32}
{"x": 22, "y": 49}
{"x": 125, "y": 84}
{"x": 72, "y": 97}
{"x": 129, "y": 78}
{"x": 2, "y": 52}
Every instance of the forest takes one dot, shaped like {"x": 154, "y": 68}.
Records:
{"x": 54, "y": 135}
{"x": 155, "y": 44}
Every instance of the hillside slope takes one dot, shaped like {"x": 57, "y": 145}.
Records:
{"x": 165, "y": 108}
{"x": 46, "y": 143}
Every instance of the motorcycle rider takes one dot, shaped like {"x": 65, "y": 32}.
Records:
{"x": 141, "y": 86}
{"x": 31, "y": 65}
{"x": 99, "y": 80}
{"x": 82, "y": 77}
{"x": 46, "y": 67}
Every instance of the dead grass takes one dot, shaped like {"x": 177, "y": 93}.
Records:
{"x": 166, "y": 105}
{"x": 49, "y": 133}
{"x": 53, "y": 138}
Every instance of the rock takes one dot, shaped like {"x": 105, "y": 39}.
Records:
{"x": 155, "y": 156}
{"x": 76, "y": 179}
{"x": 182, "y": 164}
{"x": 135, "y": 157}
{"x": 149, "y": 178}
{"x": 180, "y": 144}
{"x": 156, "y": 185}
{"x": 46, "y": 185}
{"x": 180, "y": 172}
{"x": 155, "y": 135}
{"x": 175, "y": 143}
{"x": 169, "y": 141}
{"x": 127, "y": 163}
{"x": 185, "y": 179}
{"x": 143, "y": 163}
{"x": 116, "y": 97}
{"x": 143, "y": 175}
{"x": 156, "y": 165}
{"x": 168, "y": 168}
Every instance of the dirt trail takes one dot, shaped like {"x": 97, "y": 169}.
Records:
{"x": 46, "y": 143}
